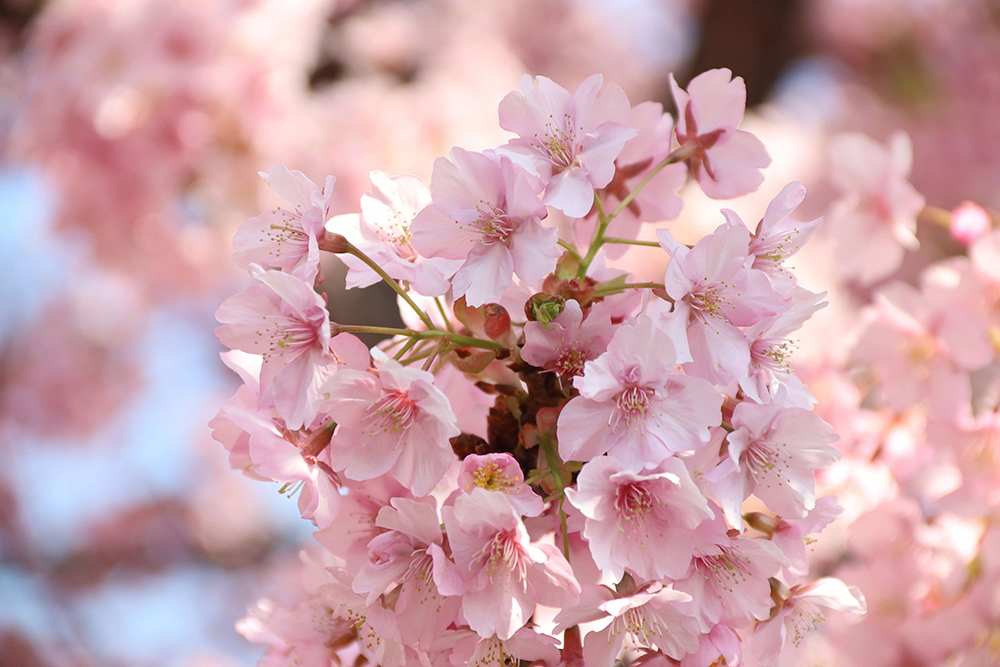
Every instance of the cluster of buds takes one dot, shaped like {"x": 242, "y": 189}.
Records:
{"x": 550, "y": 464}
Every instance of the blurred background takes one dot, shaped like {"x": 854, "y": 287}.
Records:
{"x": 131, "y": 134}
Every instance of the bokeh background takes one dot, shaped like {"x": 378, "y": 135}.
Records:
{"x": 131, "y": 134}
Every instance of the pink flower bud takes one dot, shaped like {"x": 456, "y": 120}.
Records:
{"x": 969, "y": 223}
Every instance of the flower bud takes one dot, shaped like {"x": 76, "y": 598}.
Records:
{"x": 497, "y": 323}
{"x": 335, "y": 243}
{"x": 762, "y": 522}
{"x": 543, "y": 307}
{"x": 969, "y": 223}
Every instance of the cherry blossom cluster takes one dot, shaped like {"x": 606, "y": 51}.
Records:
{"x": 914, "y": 395}
{"x": 554, "y": 463}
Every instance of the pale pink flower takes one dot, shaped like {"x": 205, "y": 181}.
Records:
{"x": 569, "y": 141}
{"x": 771, "y": 347}
{"x": 376, "y": 626}
{"x": 390, "y": 418}
{"x": 985, "y": 256}
{"x": 471, "y": 650}
{"x": 569, "y": 341}
{"x": 286, "y": 321}
{"x": 801, "y": 613}
{"x": 726, "y": 161}
{"x": 500, "y": 473}
{"x": 773, "y": 453}
{"x": 383, "y": 233}
{"x": 640, "y": 522}
{"x": 715, "y": 292}
{"x": 633, "y": 406}
{"x": 779, "y": 236}
{"x": 402, "y": 559}
{"x": 305, "y": 635}
{"x": 658, "y": 200}
{"x": 486, "y": 212}
{"x": 506, "y": 574}
{"x": 287, "y": 239}
{"x": 728, "y": 576}
{"x": 923, "y": 344}
{"x": 294, "y": 462}
{"x": 792, "y": 535}
{"x": 232, "y": 425}
{"x": 720, "y": 647}
{"x": 641, "y": 617}
{"x": 875, "y": 220}
{"x": 355, "y": 526}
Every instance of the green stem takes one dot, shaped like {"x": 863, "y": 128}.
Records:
{"x": 351, "y": 249}
{"x": 649, "y": 244}
{"x": 406, "y": 348}
{"x": 444, "y": 313}
{"x": 617, "y": 289}
{"x": 555, "y": 467}
{"x": 466, "y": 341}
{"x": 679, "y": 155}
{"x": 598, "y": 240}
{"x": 572, "y": 251}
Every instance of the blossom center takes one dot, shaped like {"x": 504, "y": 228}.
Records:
{"x": 289, "y": 335}
{"x": 504, "y": 555}
{"x": 633, "y": 501}
{"x": 395, "y": 232}
{"x": 495, "y": 226}
{"x": 560, "y": 144}
{"x": 393, "y": 412}
{"x": 490, "y": 477}
{"x": 571, "y": 360}
{"x": 763, "y": 459}
{"x": 632, "y": 404}
{"x": 708, "y": 301}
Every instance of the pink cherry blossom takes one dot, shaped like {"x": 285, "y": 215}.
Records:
{"x": 641, "y": 522}
{"x": 569, "y": 141}
{"x": 771, "y": 347}
{"x": 500, "y": 473}
{"x": 641, "y": 617}
{"x": 356, "y": 525}
{"x": 715, "y": 292}
{"x": 471, "y": 650}
{"x": 232, "y": 425}
{"x": 922, "y": 345}
{"x": 658, "y": 200}
{"x": 875, "y": 219}
{"x": 792, "y": 535}
{"x": 305, "y": 635}
{"x": 376, "y": 626}
{"x": 728, "y": 576}
{"x": 633, "y": 406}
{"x": 506, "y": 573}
{"x": 284, "y": 320}
{"x": 300, "y": 468}
{"x": 390, "y": 418}
{"x": 569, "y": 341}
{"x": 383, "y": 233}
{"x": 779, "y": 236}
{"x": 401, "y": 560}
{"x": 655, "y": 202}
{"x": 287, "y": 239}
{"x": 773, "y": 453}
{"x": 720, "y": 647}
{"x": 726, "y": 161}
{"x": 801, "y": 613}
{"x": 486, "y": 212}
